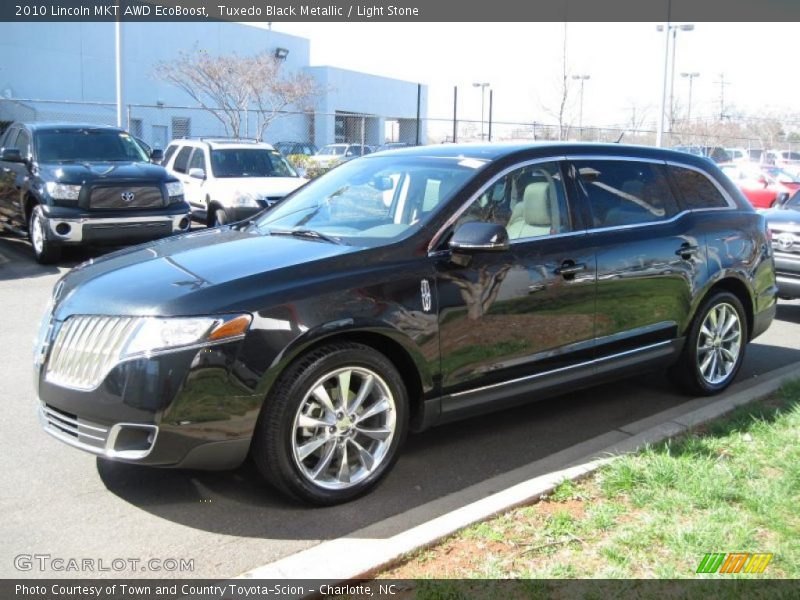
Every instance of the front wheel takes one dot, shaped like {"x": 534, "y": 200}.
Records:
{"x": 333, "y": 425}
{"x": 43, "y": 249}
{"x": 715, "y": 346}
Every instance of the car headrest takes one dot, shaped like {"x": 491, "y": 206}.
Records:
{"x": 536, "y": 204}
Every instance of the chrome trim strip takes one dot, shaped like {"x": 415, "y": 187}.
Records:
{"x": 454, "y": 217}
{"x": 560, "y": 369}
{"x": 574, "y": 157}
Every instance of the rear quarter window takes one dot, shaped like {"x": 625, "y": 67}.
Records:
{"x": 696, "y": 189}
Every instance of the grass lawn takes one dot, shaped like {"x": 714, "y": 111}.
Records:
{"x": 730, "y": 486}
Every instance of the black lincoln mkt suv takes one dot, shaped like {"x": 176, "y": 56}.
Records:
{"x": 68, "y": 184}
{"x": 400, "y": 291}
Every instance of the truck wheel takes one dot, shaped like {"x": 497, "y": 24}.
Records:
{"x": 220, "y": 218}
{"x": 43, "y": 249}
{"x": 333, "y": 425}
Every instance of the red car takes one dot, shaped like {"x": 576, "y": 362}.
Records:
{"x": 763, "y": 186}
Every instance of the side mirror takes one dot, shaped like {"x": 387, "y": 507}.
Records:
{"x": 156, "y": 155}
{"x": 763, "y": 180}
{"x": 383, "y": 184}
{"x": 11, "y": 155}
{"x": 479, "y": 237}
{"x": 197, "y": 173}
{"x": 350, "y": 153}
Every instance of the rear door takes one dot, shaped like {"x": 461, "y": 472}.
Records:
{"x": 194, "y": 187}
{"x": 650, "y": 255}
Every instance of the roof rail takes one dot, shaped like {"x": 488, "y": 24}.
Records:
{"x": 220, "y": 138}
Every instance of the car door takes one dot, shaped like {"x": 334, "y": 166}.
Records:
{"x": 195, "y": 187}
{"x": 14, "y": 177}
{"x": 510, "y": 317}
{"x": 651, "y": 255}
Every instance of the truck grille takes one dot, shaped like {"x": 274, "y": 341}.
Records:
{"x": 67, "y": 426}
{"x": 119, "y": 197}
{"x": 86, "y": 348}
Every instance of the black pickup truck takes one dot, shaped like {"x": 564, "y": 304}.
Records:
{"x": 66, "y": 184}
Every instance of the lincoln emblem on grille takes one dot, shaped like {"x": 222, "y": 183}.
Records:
{"x": 127, "y": 196}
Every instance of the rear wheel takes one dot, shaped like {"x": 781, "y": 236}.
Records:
{"x": 715, "y": 346}
{"x": 334, "y": 424}
{"x": 43, "y": 249}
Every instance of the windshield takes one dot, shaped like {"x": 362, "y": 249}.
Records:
{"x": 249, "y": 162}
{"x": 93, "y": 145}
{"x": 332, "y": 150}
{"x": 368, "y": 202}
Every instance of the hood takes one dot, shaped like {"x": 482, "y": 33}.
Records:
{"x": 225, "y": 269}
{"x": 89, "y": 172}
{"x": 782, "y": 216}
{"x": 260, "y": 186}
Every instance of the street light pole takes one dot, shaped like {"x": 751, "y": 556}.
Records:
{"x": 582, "y": 79}
{"x": 690, "y": 77}
{"x": 118, "y": 65}
{"x": 483, "y": 87}
{"x": 674, "y": 30}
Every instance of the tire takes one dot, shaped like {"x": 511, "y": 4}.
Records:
{"x": 296, "y": 436}
{"x": 696, "y": 372}
{"x": 220, "y": 218}
{"x": 43, "y": 249}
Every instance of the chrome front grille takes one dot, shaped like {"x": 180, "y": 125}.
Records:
{"x": 86, "y": 348}
{"x": 118, "y": 197}
{"x": 73, "y": 429}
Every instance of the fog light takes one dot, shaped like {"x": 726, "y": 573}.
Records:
{"x": 63, "y": 228}
{"x": 184, "y": 223}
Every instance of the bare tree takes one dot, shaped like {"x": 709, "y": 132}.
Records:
{"x": 230, "y": 86}
{"x": 559, "y": 106}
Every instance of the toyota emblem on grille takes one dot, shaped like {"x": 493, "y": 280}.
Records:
{"x": 785, "y": 241}
{"x": 127, "y": 196}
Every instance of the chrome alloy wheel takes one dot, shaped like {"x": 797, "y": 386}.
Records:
{"x": 37, "y": 231}
{"x": 719, "y": 343}
{"x": 343, "y": 428}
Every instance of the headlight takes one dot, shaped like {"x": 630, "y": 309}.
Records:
{"x": 174, "y": 188}
{"x": 156, "y": 334}
{"x": 245, "y": 200}
{"x": 63, "y": 191}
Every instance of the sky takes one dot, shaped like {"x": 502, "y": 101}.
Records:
{"x": 522, "y": 62}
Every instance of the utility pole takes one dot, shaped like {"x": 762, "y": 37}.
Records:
{"x": 690, "y": 77}
{"x": 722, "y": 83}
{"x": 118, "y": 65}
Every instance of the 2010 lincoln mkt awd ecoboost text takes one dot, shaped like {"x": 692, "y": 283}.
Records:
{"x": 399, "y": 291}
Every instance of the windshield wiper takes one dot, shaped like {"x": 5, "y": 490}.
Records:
{"x": 306, "y": 233}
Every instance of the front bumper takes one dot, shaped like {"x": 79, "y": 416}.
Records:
{"x": 70, "y": 226}
{"x": 787, "y": 273}
{"x": 193, "y": 408}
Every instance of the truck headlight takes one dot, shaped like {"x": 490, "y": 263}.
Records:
{"x": 245, "y": 200}
{"x": 156, "y": 334}
{"x": 174, "y": 188}
{"x": 63, "y": 191}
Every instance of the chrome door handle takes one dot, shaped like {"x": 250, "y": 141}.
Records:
{"x": 569, "y": 268}
{"x": 687, "y": 250}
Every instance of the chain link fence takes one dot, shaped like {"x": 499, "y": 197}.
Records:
{"x": 158, "y": 124}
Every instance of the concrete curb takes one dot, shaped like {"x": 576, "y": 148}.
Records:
{"x": 348, "y": 558}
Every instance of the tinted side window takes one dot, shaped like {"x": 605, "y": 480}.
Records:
{"x": 23, "y": 143}
{"x": 168, "y": 154}
{"x": 696, "y": 189}
{"x": 529, "y": 202}
{"x": 198, "y": 160}
{"x": 625, "y": 192}
{"x": 182, "y": 160}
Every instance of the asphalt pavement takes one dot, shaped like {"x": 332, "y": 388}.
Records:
{"x": 67, "y": 504}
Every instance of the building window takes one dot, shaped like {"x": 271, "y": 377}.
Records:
{"x": 137, "y": 129}
{"x": 181, "y": 127}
